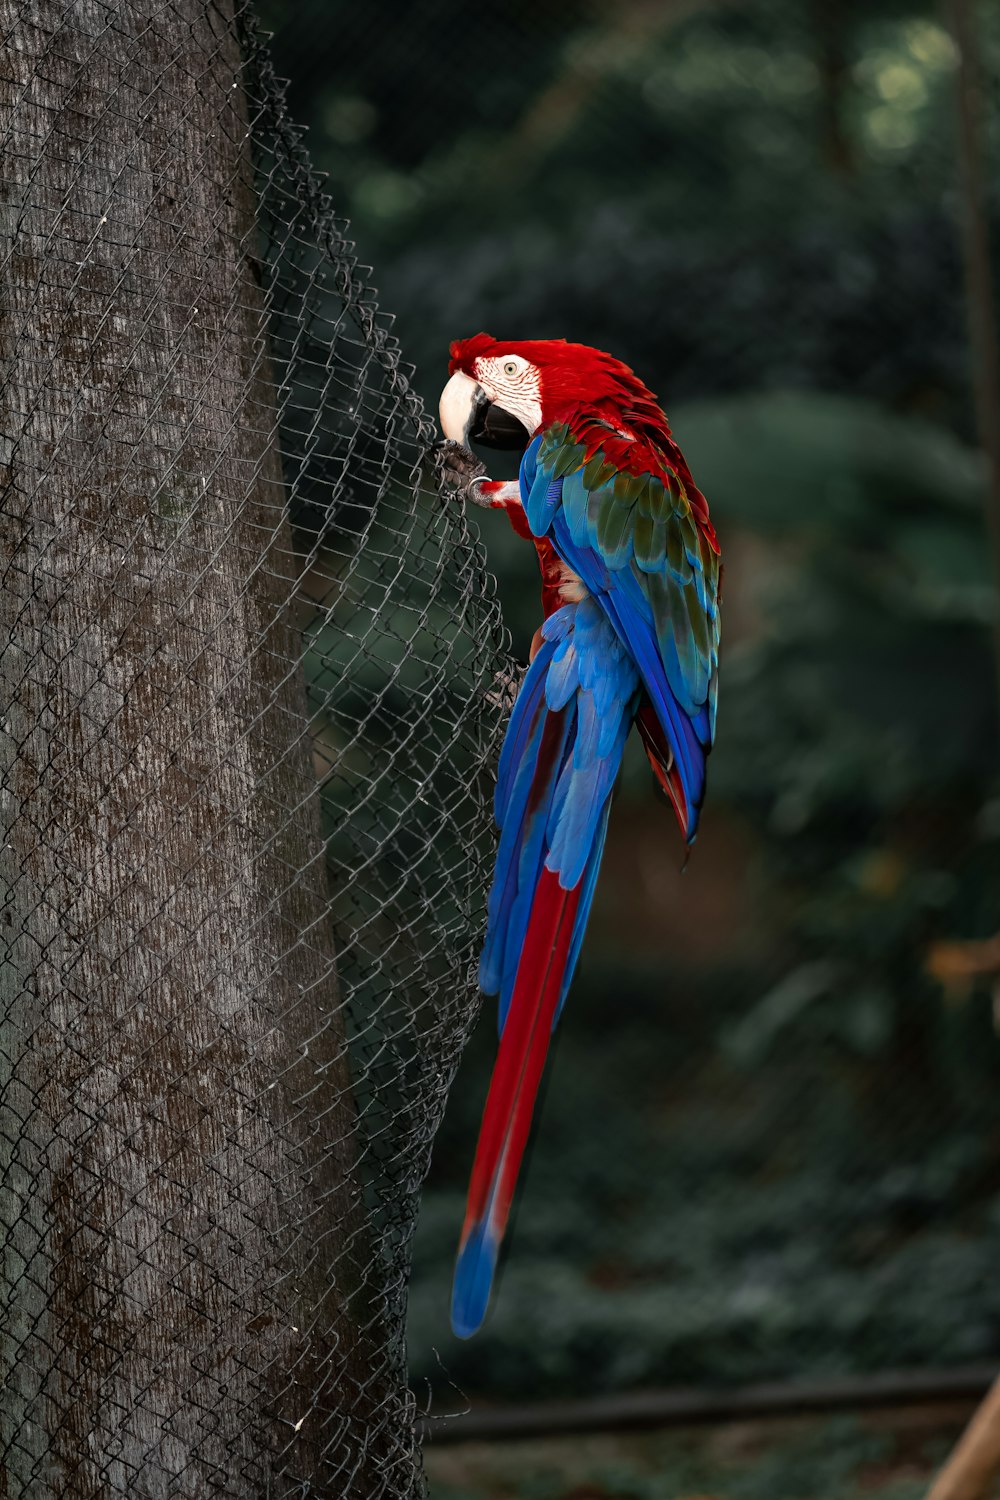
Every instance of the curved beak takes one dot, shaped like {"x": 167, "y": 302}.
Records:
{"x": 457, "y": 409}
{"x": 467, "y": 413}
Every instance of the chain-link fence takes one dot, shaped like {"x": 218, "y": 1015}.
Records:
{"x": 246, "y": 665}
{"x": 249, "y": 668}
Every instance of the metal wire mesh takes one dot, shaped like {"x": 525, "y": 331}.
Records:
{"x": 246, "y": 666}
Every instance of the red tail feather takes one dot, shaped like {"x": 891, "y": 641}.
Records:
{"x": 520, "y": 1062}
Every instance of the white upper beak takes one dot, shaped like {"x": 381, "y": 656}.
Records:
{"x": 458, "y": 407}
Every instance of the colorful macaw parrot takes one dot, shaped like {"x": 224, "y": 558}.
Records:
{"x": 630, "y": 591}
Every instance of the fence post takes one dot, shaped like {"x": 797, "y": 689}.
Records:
{"x": 183, "y": 1241}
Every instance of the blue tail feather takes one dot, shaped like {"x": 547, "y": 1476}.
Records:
{"x": 583, "y": 910}
{"x": 553, "y": 815}
{"x": 474, "y": 1273}
{"x": 579, "y": 649}
{"x": 529, "y": 699}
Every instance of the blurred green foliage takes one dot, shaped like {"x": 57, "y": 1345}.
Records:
{"x": 786, "y": 1159}
{"x": 729, "y": 196}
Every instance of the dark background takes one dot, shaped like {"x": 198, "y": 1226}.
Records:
{"x": 770, "y": 1145}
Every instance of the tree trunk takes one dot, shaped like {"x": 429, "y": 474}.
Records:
{"x": 980, "y": 302}
{"x": 830, "y": 22}
{"x": 183, "y": 1254}
{"x": 971, "y": 1469}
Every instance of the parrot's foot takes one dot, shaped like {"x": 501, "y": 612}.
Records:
{"x": 476, "y": 492}
{"x": 459, "y": 470}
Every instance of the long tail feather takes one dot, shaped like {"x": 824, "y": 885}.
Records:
{"x": 511, "y": 1099}
{"x": 557, "y": 770}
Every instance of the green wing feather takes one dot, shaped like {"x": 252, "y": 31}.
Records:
{"x": 642, "y": 528}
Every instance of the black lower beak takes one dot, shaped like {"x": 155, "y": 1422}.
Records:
{"x": 492, "y": 427}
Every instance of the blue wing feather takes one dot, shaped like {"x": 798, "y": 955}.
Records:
{"x": 586, "y": 900}
{"x": 558, "y": 766}
{"x": 645, "y": 603}
{"x": 517, "y": 761}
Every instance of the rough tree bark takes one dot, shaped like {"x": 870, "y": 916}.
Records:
{"x": 182, "y": 1248}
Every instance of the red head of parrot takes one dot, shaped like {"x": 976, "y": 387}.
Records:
{"x": 502, "y": 392}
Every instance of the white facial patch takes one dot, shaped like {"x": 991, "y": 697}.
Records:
{"x": 514, "y": 384}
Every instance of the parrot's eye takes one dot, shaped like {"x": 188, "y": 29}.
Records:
{"x": 510, "y": 368}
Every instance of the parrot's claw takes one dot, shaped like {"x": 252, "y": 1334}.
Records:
{"x": 459, "y": 469}
{"x": 474, "y": 492}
